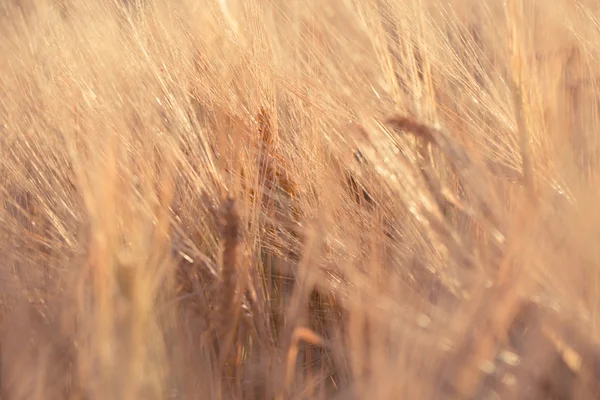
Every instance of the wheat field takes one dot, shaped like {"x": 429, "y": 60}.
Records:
{"x": 285, "y": 199}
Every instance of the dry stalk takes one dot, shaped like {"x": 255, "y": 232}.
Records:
{"x": 300, "y": 334}
{"x": 300, "y": 296}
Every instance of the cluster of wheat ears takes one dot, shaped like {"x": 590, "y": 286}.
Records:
{"x": 297, "y": 199}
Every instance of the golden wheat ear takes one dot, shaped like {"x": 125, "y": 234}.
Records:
{"x": 229, "y": 226}
{"x": 459, "y": 158}
{"x": 265, "y": 128}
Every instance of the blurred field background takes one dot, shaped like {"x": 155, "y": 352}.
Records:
{"x": 268, "y": 199}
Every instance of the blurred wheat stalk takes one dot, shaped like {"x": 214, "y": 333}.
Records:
{"x": 318, "y": 199}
